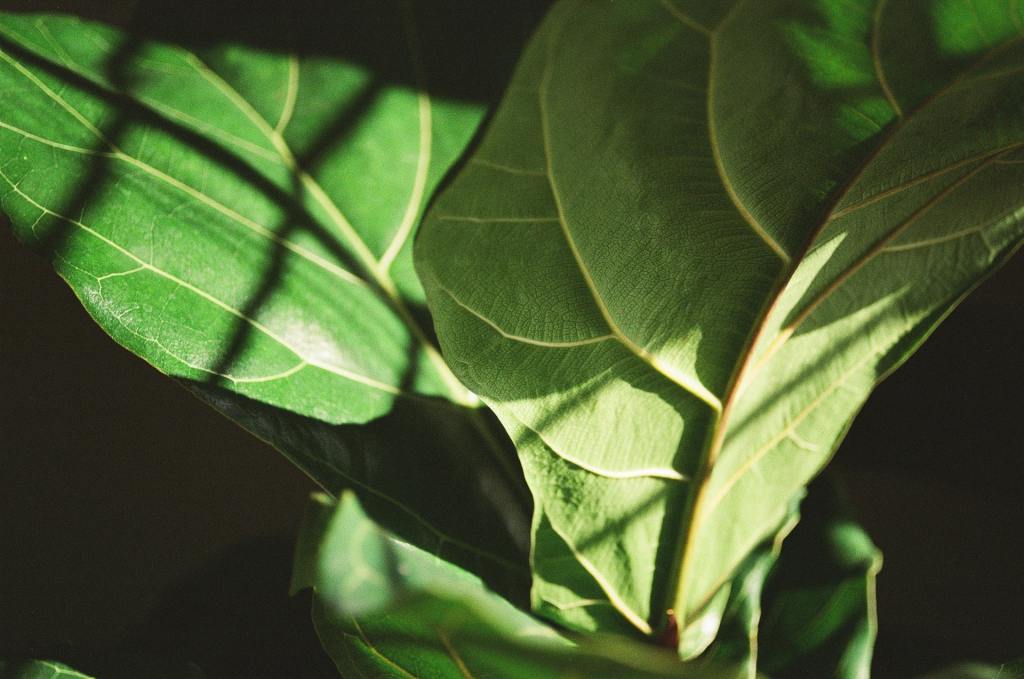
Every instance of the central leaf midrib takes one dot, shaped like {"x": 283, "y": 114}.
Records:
{"x": 371, "y": 265}
{"x": 743, "y": 365}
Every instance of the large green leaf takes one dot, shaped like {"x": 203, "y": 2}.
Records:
{"x": 693, "y": 239}
{"x": 386, "y": 609}
{"x": 38, "y": 669}
{"x": 239, "y": 214}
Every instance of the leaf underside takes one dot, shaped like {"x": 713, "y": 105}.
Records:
{"x": 692, "y": 240}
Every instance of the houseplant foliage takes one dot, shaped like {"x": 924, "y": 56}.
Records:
{"x": 686, "y": 245}
{"x": 687, "y": 358}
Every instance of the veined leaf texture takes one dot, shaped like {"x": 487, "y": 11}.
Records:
{"x": 692, "y": 240}
{"x": 239, "y": 213}
{"x": 385, "y": 608}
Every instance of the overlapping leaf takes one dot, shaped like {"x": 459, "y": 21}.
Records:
{"x": 239, "y": 214}
{"x": 693, "y": 239}
{"x": 38, "y": 669}
{"x": 804, "y": 602}
{"x": 386, "y": 609}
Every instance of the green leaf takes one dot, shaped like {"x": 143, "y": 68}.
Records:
{"x": 803, "y": 604}
{"x": 38, "y": 669}
{"x": 693, "y": 239}
{"x": 979, "y": 671}
{"x": 819, "y": 610}
{"x": 239, "y": 214}
{"x": 385, "y": 608}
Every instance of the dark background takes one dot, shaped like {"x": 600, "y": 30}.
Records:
{"x": 138, "y": 526}
{"x": 136, "y": 521}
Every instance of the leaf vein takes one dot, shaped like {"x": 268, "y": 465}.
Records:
{"x": 624, "y": 474}
{"x": 460, "y": 664}
{"x": 495, "y": 220}
{"x": 772, "y": 443}
{"x": 876, "y": 58}
{"x": 685, "y": 19}
{"x": 614, "y": 597}
{"x": 290, "y": 96}
{"x": 423, "y": 106}
{"x": 118, "y": 154}
{"x": 920, "y": 179}
{"x": 880, "y": 245}
{"x": 686, "y": 382}
{"x": 341, "y": 372}
{"x": 723, "y": 174}
{"x": 373, "y": 649}
{"x": 501, "y": 167}
{"x": 519, "y": 338}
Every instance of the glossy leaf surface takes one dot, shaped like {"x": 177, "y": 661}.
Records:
{"x": 38, "y": 669}
{"x": 693, "y": 239}
{"x": 386, "y": 609}
{"x": 239, "y": 214}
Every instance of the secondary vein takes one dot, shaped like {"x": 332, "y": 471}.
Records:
{"x": 686, "y": 382}
{"x": 876, "y": 58}
{"x": 342, "y": 372}
{"x": 723, "y": 174}
{"x": 426, "y": 134}
{"x": 520, "y": 338}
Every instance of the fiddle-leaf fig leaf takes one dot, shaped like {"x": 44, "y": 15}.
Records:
{"x": 38, "y": 669}
{"x": 694, "y": 237}
{"x": 240, "y": 215}
{"x": 383, "y": 608}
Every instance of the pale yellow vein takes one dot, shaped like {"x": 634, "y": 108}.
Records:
{"x": 426, "y": 136}
{"x": 1013, "y": 215}
{"x": 58, "y": 671}
{"x": 290, "y": 96}
{"x": 772, "y": 443}
{"x": 117, "y": 154}
{"x": 723, "y": 173}
{"x": 870, "y": 254}
{"x": 876, "y": 57}
{"x": 56, "y": 144}
{"x": 684, "y": 19}
{"x": 687, "y": 382}
{"x": 341, "y": 372}
{"x": 338, "y": 219}
{"x": 508, "y": 169}
{"x": 359, "y": 248}
{"x": 458, "y": 392}
{"x": 614, "y": 597}
{"x": 495, "y": 220}
{"x": 373, "y": 649}
{"x": 460, "y": 664}
{"x": 920, "y": 179}
{"x": 664, "y": 474}
{"x": 419, "y": 186}
{"x": 520, "y": 338}
{"x": 234, "y": 379}
{"x": 75, "y": 113}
